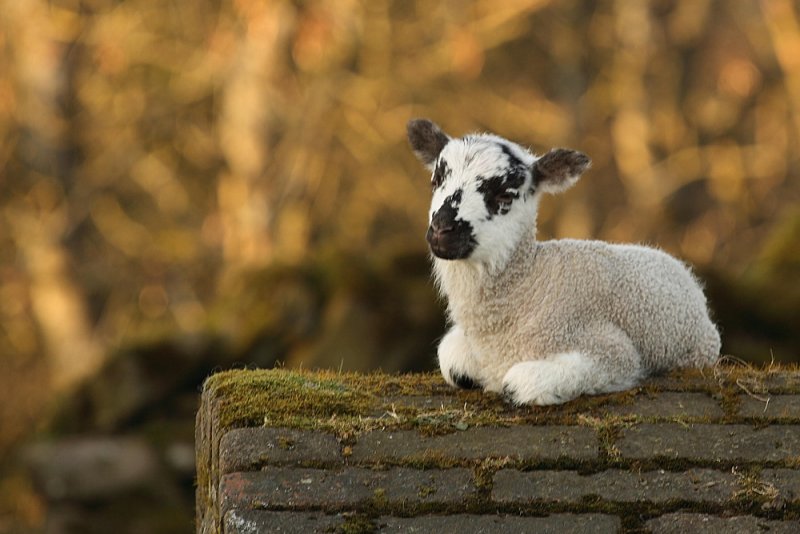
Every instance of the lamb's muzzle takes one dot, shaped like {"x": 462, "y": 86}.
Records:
{"x": 449, "y": 238}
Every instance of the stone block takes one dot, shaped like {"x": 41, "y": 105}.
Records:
{"x": 614, "y": 485}
{"x": 259, "y": 521}
{"x": 710, "y": 443}
{"x": 491, "y": 524}
{"x": 681, "y": 523}
{"x": 777, "y": 406}
{"x": 284, "y": 487}
{"x": 670, "y": 405}
{"x": 245, "y": 449}
{"x": 524, "y": 443}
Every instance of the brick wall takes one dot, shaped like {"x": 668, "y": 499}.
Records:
{"x": 281, "y": 451}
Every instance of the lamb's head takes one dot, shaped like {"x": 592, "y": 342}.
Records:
{"x": 486, "y": 190}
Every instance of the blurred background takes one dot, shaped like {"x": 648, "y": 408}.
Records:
{"x": 191, "y": 186}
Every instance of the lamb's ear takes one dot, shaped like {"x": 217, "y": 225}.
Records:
{"x": 559, "y": 169}
{"x": 427, "y": 140}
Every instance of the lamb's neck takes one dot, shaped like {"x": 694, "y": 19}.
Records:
{"x": 473, "y": 286}
{"x": 460, "y": 281}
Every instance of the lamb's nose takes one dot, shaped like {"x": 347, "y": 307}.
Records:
{"x": 439, "y": 231}
{"x": 442, "y": 223}
{"x": 441, "y": 227}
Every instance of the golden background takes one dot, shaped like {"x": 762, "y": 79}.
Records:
{"x": 218, "y": 183}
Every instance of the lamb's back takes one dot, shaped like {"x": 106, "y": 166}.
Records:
{"x": 647, "y": 293}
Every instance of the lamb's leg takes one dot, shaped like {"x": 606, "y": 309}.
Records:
{"x": 612, "y": 364}
{"x": 457, "y": 361}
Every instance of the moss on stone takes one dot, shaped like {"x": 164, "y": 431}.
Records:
{"x": 348, "y": 404}
{"x": 283, "y": 398}
{"x": 379, "y": 497}
{"x": 608, "y": 429}
{"x": 752, "y": 489}
{"x": 356, "y": 524}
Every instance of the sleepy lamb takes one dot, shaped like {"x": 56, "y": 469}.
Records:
{"x": 543, "y": 322}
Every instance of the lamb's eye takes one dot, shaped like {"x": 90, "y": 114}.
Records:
{"x": 505, "y": 198}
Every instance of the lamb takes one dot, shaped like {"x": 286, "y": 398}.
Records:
{"x": 543, "y": 322}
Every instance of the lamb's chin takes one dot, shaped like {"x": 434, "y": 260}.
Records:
{"x": 450, "y": 254}
{"x": 451, "y": 248}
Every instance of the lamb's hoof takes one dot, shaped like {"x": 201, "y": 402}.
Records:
{"x": 510, "y": 396}
{"x": 464, "y": 381}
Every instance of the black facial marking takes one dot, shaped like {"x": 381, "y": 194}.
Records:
{"x": 499, "y": 191}
{"x": 441, "y": 174}
{"x": 513, "y": 161}
{"x": 517, "y": 170}
{"x": 444, "y": 219}
{"x": 490, "y": 188}
{"x": 464, "y": 381}
{"x": 448, "y": 237}
{"x": 455, "y": 199}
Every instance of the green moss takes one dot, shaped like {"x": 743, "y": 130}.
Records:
{"x": 277, "y": 397}
{"x": 356, "y": 524}
{"x": 608, "y": 429}
{"x": 379, "y": 498}
{"x": 285, "y": 443}
{"x": 484, "y": 473}
{"x": 425, "y": 491}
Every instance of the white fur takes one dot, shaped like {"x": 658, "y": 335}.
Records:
{"x": 550, "y": 381}
{"x": 545, "y": 322}
{"x": 455, "y": 355}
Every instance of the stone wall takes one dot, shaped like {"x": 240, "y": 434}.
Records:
{"x": 716, "y": 451}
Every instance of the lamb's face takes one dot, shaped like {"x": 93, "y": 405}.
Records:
{"x": 481, "y": 197}
{"x": 485, "y": 190}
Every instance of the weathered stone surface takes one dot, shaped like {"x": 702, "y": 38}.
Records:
{"x": 491, "y": 524}
{"x": 519, "y": 443}
{"x": 246, "y": 448}
{"x": 694, "y": 485}
{"x": 710, "y": 443}
{"x": 694, "y": 458}
{"x": 670, "y": 405}
{"x": 303, "y": 487}
{"x": 682, "y": 381}
{"x": 259, "y": 521}
{"x": 786, "y": 481}
{"x": 777, "y": 406}
{"x": 684, "y": 523}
